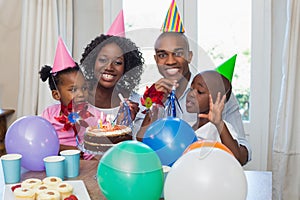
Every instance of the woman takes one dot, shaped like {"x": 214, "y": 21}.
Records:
{"x": 113, "y": 65}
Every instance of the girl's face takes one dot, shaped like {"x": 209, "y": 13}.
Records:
{"x": 109, "y": 65}
{"x": 197, "y": 100}
{"x": 72, "y": 86}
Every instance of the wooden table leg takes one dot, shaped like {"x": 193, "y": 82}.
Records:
{"x": 2, "y": 135}
{"x": 4, "y": 113}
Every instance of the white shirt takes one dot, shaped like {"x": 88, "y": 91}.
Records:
{"x": 230, "y": 114}
{"x": 210, "y": 132}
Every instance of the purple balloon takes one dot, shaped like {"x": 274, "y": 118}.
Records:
{"x": 35, "y": 138}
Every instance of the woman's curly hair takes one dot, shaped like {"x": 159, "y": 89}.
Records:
{"x": 133, "y": 61}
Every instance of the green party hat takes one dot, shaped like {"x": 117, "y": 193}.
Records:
{"x": 226, "y": 69}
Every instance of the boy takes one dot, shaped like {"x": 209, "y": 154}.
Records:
{"x": 207, "y": 96}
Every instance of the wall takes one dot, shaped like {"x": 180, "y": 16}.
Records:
{"x": 88, "y": 16}
{"x": 10, "y": 30}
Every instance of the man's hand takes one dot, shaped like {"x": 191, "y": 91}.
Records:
{"x": 165, "y": 85}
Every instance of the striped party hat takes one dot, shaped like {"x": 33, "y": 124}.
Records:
{"x": 173, "y": 22}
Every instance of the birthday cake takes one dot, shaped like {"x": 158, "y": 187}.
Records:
{"x": 100, "y": 139}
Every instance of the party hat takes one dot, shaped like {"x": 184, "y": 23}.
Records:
{"x": 117, "y": 28}
{"x": 173, "y": 22}
{"x": 63, "y": 59}
{"x": 226, "y": 69}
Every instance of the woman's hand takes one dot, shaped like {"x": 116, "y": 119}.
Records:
{"x": 133, "y": 107}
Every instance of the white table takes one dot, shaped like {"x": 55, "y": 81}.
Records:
{"x": 259, "y": 184}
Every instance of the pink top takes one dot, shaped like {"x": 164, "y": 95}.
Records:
{"x": 67, "y": 137}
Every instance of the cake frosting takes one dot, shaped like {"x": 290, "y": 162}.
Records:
{"x": 52, "y": 181}
{"x": 65, "y": 189}
{"x": 49, "y": 194}
{"x": 41, "y": 188}
{"x": 24, "y": 194}
{"x": 31, "y": 183}
{"x": 101, "y": 139}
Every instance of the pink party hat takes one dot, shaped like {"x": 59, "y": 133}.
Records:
{"x": 173, "y": 22}
{"x": 226, "y": 69}
{"x": 63, "y": 59}
{"x": 117, "y": 28}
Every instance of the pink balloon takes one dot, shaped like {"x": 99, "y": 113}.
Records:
{"x": 35, "y": 138}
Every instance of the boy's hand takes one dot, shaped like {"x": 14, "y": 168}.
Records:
{"x": 215, "y": 110}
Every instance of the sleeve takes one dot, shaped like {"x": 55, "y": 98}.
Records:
{"x": 45, "y": 114}
{"x": 232, "y": 115}
{"x": 87, "y": 156}
{"x": 140, "y": 116}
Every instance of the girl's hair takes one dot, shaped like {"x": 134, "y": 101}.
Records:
{"x": 54, "y": 79}
{"x": 133, "y": 61}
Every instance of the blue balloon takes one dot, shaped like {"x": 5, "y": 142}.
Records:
{"x": 169, "y": 137}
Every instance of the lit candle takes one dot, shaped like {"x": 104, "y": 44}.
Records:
{"x": 100, "y": 124}
{"x": 108, "y": 125}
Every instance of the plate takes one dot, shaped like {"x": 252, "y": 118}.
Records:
{"x": 79, "y": 190}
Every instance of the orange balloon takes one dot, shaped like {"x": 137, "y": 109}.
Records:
{"x": 207, "y": 143}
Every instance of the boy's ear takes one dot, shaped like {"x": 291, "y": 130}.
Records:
{"x": 56, "y": 95}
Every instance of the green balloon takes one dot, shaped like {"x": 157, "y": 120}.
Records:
{"x": 130, "y": 170}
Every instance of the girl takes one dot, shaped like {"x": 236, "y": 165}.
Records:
{"x": 69, "y": 88}
{"x": 72, "y": 114}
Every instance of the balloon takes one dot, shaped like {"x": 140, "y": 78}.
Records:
{"x": 169, "y": 137}
{"x": 207, "y": 143}
{"x": 206, "y": 173}
{"x": 34, "y": 138}
{"x": 130, "y": 170}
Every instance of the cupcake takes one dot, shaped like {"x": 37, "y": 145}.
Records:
{"x": 31, "y": 183}
{"x": 65, "y": 189}
{"x": 41, "y": 188}
{"x": 52, "y": 181}
{"x": 24, "y": 194}
{"x": 49, "y": 195}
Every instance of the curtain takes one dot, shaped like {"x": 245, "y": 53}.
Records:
{"x": 42, "y": 22}
{"x": 286, "y": 149}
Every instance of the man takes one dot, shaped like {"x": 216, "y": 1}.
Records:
{"x": 173, "y": 56}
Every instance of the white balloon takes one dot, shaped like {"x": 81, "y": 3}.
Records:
{"x": 206, "y": 173}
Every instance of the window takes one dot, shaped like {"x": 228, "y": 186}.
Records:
{"x": 223, "y": 31}
{"x": 145, "y": 18}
